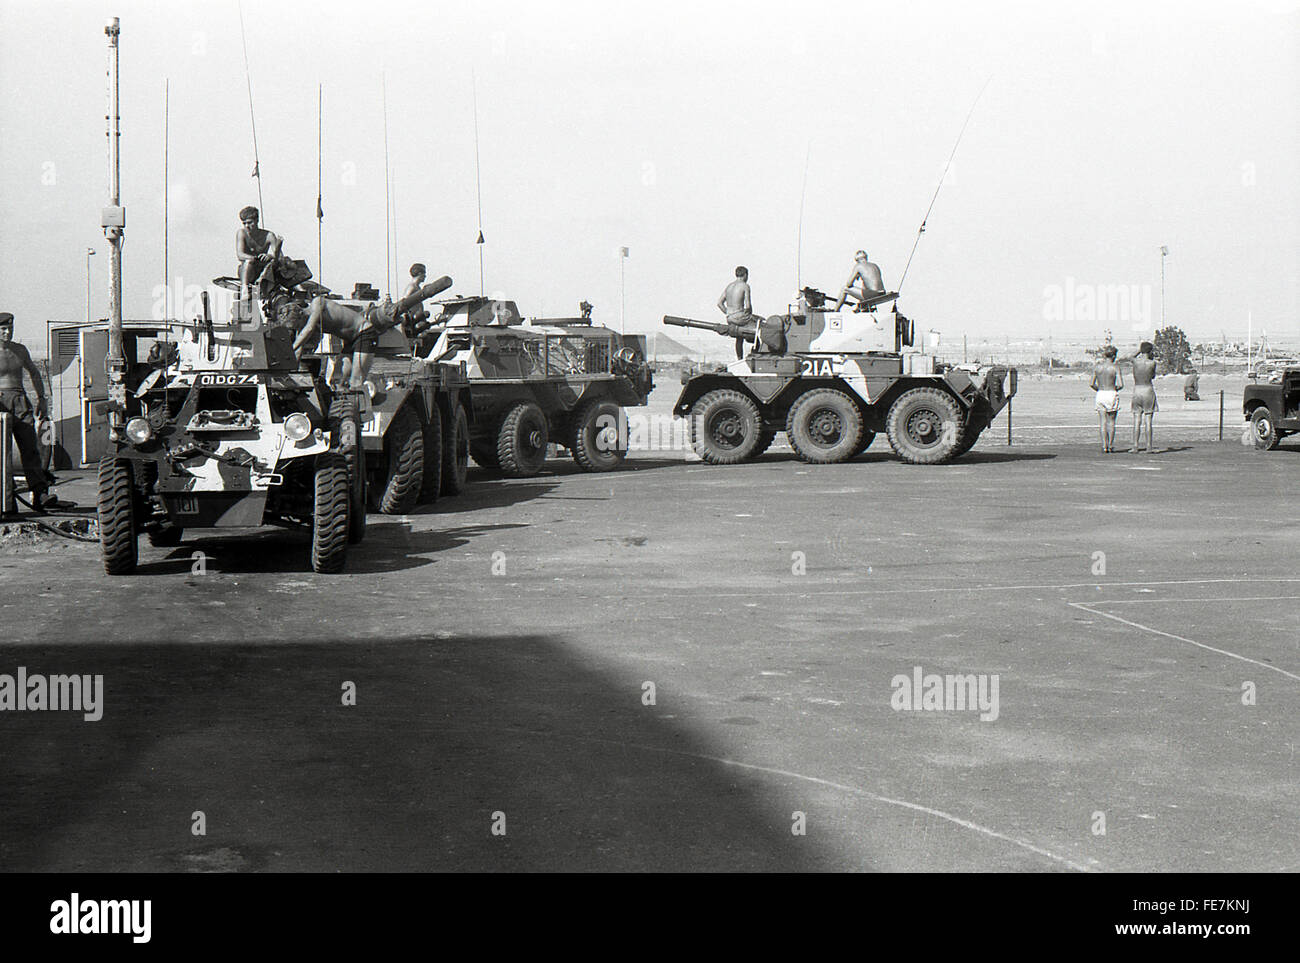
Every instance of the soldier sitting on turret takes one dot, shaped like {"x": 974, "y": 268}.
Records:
{"x": 869, "y": 275}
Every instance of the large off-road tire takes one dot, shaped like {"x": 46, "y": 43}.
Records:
{"x": 925, "y": 426}
{"x": 330, "y": 511}
{"x": 485, "y": 454}
{"x": 824, "y": 426}
{"x": 599, "y": 441}
{"x": 521, "y": 441}
{"x": 345, "y": 426}
{"x": 968, "y": 439}
{"x": 431, "y": 486}
{"x": 455, "y": 452}
{"x": 725, "y": 427}
{"x": 166, "y": 536}
{"x": 404, "y": 447}
{"x": 1263, "y": 430}
{"x": 118, "y": 541}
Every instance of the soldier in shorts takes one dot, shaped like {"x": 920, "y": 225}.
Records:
{"x": 14, "y": 360}
{"x": 1107, "y": 382}
{"x": 1144, "y": 394}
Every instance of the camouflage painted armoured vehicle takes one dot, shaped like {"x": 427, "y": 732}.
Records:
{"x": 553, "y": 380}
{"x": 832, "y": 380}
{"x": 223, "y": 428}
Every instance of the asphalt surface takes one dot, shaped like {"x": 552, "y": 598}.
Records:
{"x": 501, "y": 642}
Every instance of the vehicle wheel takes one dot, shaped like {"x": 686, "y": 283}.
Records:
{"x": 968, "y": 439}
{"x": 521, "y": 442}
{"x": 345, "y": 426}
{"x": 1263, "y": 430}
{"x": 116, "y": 506}
{"x": 405, "y": 475}
{"x": 168, "y": 536}
{"x": 765, "y": 439}
{"x": 431, "y": 486}
{"x": 824, "y": 426}
{"x": 725, "y": 427}
{"x": 599, "y": 440}
{"x": 330, "y": 511}
{"x": 864, "y": 442}
{"x": 485, "y": 455}
{"x": 455, "y": 453}
{"x": 925, "y": 426}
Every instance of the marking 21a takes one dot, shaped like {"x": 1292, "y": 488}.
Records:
{"x": 818, "y": 368}
{"x": 226, "y": 380}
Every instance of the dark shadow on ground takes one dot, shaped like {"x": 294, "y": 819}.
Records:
{"x": 389, "y": 546}
{"x": 995, "y": 457}
{"x": 445, "y": 733}
{"x": 487, "y": 491}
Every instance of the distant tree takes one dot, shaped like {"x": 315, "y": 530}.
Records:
{"x": 1173, "y": 351}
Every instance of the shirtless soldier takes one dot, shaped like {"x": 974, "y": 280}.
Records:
{"x": 14, "y": 360}
{"x": 358, "y": 328}
{"x": 257, "y": 249}
{"x": 736, "y": 305}
{"x": 1107, "y": 382}
{"x": 1144, "y": 394}
{"x": 868, "y": 274}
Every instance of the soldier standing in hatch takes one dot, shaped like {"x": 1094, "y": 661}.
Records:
{"x": 736, "y": 305}
{"x": 14, "y": 360}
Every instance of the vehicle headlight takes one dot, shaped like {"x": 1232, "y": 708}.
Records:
{"x": 297, "y": 426}
{"x": 138, "y": 431}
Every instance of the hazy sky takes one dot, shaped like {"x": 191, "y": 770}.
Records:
{"x": 680, "y": 130}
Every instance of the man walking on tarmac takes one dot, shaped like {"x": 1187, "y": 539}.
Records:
{"x": 736, "y": 305}
{"x": 14, "y": 360}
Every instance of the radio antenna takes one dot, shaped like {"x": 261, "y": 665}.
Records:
{"x": 248, "y": 79}
{"x": 803, "y": 193}
{"x": 942, "y": 178}
{"x": 478, "y": 181}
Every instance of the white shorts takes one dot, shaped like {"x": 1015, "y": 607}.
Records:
{"x": 1107, "y": 399}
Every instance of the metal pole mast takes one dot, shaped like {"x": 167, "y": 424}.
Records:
{"x": 114, "y": 224}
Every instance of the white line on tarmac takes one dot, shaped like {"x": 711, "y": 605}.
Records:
{"x": 854, "y": 790}
{"x": 1241, "y": 598}
{"x": 1179, "y": 638}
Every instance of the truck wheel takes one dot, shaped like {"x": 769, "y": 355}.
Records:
{"x": 431, "y": 486}
{"x": 867, "y": 438}
{"x": 599, "y": 440}
{"x": 925, "y": 426}
{"x": 521, "y": 442}
{"x": 405, "y": 444}
{"x": 330, "y": 510}
{"x": 968, "y": 439}
{"x": 455, "y": 453}
{"x": 725, "y": 427}
{"x": 166, "y": 536}
{"x": 1263, "y": 430}
{"x": 345, "y": 427}
{"x": 116, "y": 507}
{"x": 485, "y": 455}
{"x": 824, "y": 426}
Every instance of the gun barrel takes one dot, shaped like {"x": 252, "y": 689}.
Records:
{"x": 692, "y": 323}
{"x": 426, "y": 292}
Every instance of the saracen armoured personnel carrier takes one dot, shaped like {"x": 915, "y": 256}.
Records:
{"x": 552, "y": 380}
{"x": 832, "y": 379}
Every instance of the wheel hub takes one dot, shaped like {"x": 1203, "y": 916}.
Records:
{"x": 923, "y": 427}
{"x": 535, "y": 439}
{"x": 826, "y": 426}
{"x": 728, "y": 429}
